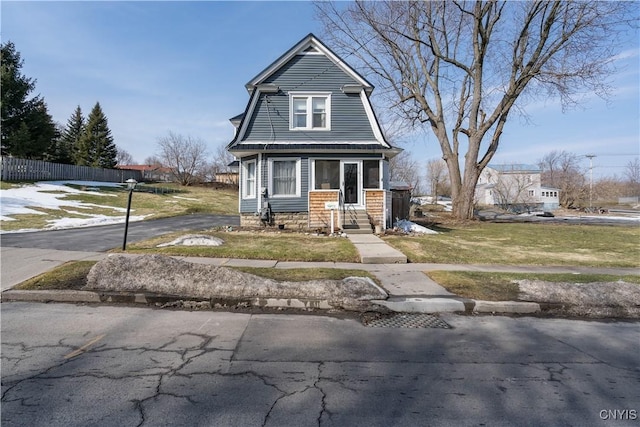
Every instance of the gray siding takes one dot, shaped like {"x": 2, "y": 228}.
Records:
{"x": 289, "y": 204}
{"x": 298, "y": 204}
{"x": 270, "y": 121}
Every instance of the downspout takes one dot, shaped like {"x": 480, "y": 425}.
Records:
{"x": 259, "y": 184}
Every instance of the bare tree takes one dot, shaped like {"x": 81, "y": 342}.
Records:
{"x": 184, "y": 155}
{"x": 609, "y": 189}
{"x": 561, "y": 169}
{"x": 221, "y": 159}
{"x": 438, "y": 178}
{"x": 459, "y": 67}
{"x": 403, "y": 167}
{"x": 632, "y": 175}
{"x": 123, "y": 157}
{"x": 153, "y": 160}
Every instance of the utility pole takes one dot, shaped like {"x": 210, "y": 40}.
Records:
{"x": 590, "y": 157}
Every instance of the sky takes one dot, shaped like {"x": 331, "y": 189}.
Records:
{"x": 160, "y": 67}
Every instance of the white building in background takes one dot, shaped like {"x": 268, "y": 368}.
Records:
{"x": 515, "y": 187}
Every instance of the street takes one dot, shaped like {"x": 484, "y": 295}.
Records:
{"x": 78, "y": 365}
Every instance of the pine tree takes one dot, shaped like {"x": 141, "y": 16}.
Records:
{"x": 96, "y": 147}
{"x": 27, "y": 128}
{"x": 70, "y": 138}
{"x": 60, "y": 152}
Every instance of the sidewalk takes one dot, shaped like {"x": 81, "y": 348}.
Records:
{"x": 410, "y": 290}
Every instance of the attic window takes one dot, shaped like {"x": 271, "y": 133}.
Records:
{"x": 310, "y": 111}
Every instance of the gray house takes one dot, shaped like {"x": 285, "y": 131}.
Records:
{"x": 310, "y": 147}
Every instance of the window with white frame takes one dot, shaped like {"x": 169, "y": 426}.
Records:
{"x": 310, "y": 111}
{"x": 285, "y": 177}
{"x": 371, "y": 173}
{"x": 327, "y": 174}
{"x": 249, "y": 182}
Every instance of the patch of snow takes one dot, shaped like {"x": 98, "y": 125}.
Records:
{"x": 412, "y": 227}
{"x": 62, "y": 223}
{"x": 194, "y": 240}
{"x": 51, "y": 195}
{"x": 186, "y": 198}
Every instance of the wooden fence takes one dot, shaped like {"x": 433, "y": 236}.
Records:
{"x": 13, "y": 169}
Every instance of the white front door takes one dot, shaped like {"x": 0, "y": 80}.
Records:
{"x": 351, "y": 183}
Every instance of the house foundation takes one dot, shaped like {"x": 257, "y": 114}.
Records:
{"x": 290, "y": 220}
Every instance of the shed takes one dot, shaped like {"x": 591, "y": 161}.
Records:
{"x": 400, "y": 199}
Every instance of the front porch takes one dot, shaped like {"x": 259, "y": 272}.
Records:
{"x": 327, "y": 204}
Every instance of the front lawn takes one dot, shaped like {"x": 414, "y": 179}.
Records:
{"x": 525, "y": 244}
{"x": 258, "y": 245}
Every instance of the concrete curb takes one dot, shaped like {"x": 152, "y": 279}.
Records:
{"x": 163, "y": 300}
{"x": 456, "y": 305}
{"x": 395, "y": 304}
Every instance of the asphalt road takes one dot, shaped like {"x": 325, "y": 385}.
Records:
{"x": 66, "y": 365}
{"x": 106, "y": 237}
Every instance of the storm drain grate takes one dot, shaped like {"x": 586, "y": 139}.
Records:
{"x": 407, "y": 320}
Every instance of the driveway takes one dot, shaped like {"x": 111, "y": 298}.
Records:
{"x": 106, "y": 237}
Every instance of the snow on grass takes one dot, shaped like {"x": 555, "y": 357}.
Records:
{"x": 186, "y": 198}
{"x": 52, "y": 195}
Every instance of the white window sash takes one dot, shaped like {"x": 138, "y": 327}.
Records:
{"x": 283, "y": 181}
{"x": 249, "y": 180}
{"x": 311, "y": 116}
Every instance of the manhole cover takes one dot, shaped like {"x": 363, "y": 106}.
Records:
{"x": 405, "y": 320}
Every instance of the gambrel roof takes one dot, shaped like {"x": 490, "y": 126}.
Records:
{"x": 309, "y": 66}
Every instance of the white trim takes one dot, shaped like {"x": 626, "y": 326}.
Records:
{"x": 309, "y": 142}
{"x": 259, "y": 183}
{"x": 312, "y": 169}
{"x": 298, "y": 177}
{"x": 245, "y": 176}
{"x": 247, "y": 116}
{"x": 372, "y": 119}
{"x": 359, "y": 189}
{"x": 309, "y": 113}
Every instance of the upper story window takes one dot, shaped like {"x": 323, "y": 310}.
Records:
{"x": 310, "y": 111}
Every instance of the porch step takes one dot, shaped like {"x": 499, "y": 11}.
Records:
{"x": 357, "y": 230}
{"x": 357, "y": 222}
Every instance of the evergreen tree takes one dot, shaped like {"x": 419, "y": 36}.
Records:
{"x": 72, "y": 134}
{"x": 27, "y": 128}
{"x": 96, "y": 147}
{"x": 59, "y": 151}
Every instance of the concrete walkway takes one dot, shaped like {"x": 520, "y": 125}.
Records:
{"x": 410, "y": 290}
{"x": 374, "y": 250}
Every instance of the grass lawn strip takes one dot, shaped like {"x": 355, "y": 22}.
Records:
{"x": 256, "y": 245}
{"x": 73, "y": 275}
{"x": 69, "y": 276}
{"x": 501, "y": 286}
{"x": 524, "y": 244}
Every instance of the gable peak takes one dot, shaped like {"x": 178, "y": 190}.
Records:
{"x": 309, "y": 45}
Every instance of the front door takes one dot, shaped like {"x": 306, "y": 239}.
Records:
{"x": 350, "y": 183}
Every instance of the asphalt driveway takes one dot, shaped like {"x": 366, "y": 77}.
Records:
{"x": 106, "y": 237}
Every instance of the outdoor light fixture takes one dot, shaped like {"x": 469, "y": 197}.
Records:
{"x": 131, "y": 185}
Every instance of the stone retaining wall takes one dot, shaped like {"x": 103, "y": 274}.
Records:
{"x": 291, "y": 220}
